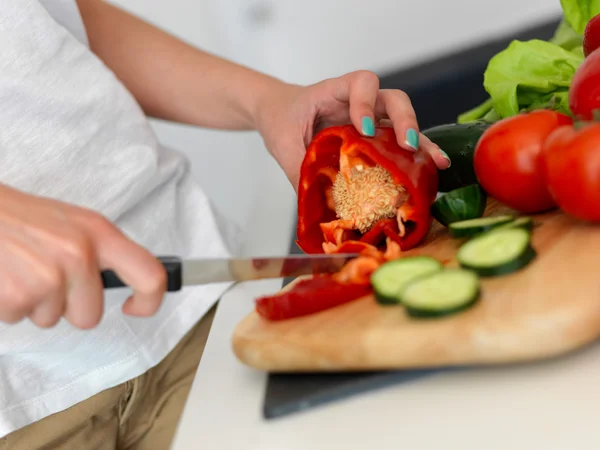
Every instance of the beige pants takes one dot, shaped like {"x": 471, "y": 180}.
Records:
{"x": 141, "y": 414}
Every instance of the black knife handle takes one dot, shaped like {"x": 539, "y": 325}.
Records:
{"x": 172, "y": 265}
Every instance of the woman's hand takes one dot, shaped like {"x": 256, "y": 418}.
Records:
{"x": 289, "y": 116}
{"x": 51, "y": 256}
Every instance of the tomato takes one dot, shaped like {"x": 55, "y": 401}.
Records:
{"x": 571, "y": 163}
{"x": 507, "y": 160}
{"x": 584, "y": 93}
{"x": 591, "y": 35}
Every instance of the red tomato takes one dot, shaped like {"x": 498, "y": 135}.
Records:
{"x": 507, "y": 160}
{"x": 584, "y": 93}
{"x": 571, "y": 162}
{"x": 591, "y": 35}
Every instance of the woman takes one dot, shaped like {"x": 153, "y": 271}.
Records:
{"x": 86, "y": 187}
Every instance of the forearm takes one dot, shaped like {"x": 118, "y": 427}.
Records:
{"x": 170, "y": 79}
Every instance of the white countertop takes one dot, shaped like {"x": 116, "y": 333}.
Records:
{"x": 551, "y": 405}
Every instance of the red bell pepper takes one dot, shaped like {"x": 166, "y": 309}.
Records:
{"x": 309, "y": 296}
{"x": 356, "y": 192}
{"x": 356, "y": 195}
{"x": 321, "y": 292}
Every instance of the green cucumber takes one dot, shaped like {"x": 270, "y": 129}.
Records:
{"x": 471, "y": 227}
{"x": 499, "y": 252}
{"x": 441, "y": 293}
{"x": 464, "y": 203}
{"x": 390, "y": 278}
{"x": 520, "y": 222}
{"x": 459, "y": 142}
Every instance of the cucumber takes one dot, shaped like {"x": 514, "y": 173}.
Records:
{"x": 520, "y": 222}
{"x": 471, "y": 227}
{"x": 441, "y": 293}
{"x": 464, "y": 203}
{"x": 458, "y": 140}
{"x": 390, "y": 278}
{"x": 499, "y": 252}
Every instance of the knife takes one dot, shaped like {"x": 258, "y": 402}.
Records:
{"x": 191, "y": 272}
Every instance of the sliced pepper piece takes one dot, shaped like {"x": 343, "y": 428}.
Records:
{"x": 309, "y": 296}
{"x": 360, "y": 192}
{"x": 321, "y": 292}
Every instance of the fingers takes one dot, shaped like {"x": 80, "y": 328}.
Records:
{"x": 48, "y": 313}
{"x": 367, "y": 102}
{"x": 369, "y": 105}
{"x": 30, "y": 285}
{"x": 396, "y": 105}
{"x": 137, "y": 267}
{"x": 360, "y": 89}
{"x": 85, "y": 296}
{"x": 52, "y": 288}
{"x": 15, "y": 302}
{"x": 51, "y": 257}
{"x": 396, "y": 109}
{"x": 441, "y": 159}
{"x": 47, "y": 280}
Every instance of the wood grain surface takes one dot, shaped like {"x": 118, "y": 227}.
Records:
{"x": 547, "y": 309}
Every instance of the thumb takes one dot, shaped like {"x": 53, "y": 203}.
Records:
{"x": 291, "y": 168}
{"x": 290, "y": 160}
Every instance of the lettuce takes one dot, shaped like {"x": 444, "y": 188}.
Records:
{"x": 527, "y": 75}
{"x": 566, "y": 37}
{"x": 536, "y": 74}
{"x": 579, "y": 12}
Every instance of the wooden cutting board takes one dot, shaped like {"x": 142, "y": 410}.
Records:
{"x": 549, "y": 308}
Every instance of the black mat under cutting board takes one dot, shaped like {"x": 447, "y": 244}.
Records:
{"x": 439, "y": 90}
{"x": 293, "y": 393}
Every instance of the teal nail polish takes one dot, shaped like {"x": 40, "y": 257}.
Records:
{"x": 445, "y": 155}
{"x": 412, "y": 138}
{"x": 368, "y": 127}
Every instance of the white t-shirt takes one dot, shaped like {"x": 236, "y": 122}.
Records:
{"x": 71, "y": 131}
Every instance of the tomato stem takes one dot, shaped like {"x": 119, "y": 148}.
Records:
{"x": 579, "y": 122}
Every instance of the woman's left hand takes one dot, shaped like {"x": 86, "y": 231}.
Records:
{"x": 289, "y": 116}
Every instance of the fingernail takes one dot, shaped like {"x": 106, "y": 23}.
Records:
{"x": 445, "y": 155}
{"x": 412, "y": 138}
{"x": 368, "y": 127}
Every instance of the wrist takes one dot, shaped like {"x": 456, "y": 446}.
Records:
{"x": 269, "y": 102}
{"x": 259, "y": 97}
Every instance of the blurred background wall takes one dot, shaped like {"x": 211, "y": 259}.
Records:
{"x": 435, "y": 50}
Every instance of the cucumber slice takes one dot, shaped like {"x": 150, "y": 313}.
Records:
{"x": 441, "y": 293}
{"x": 390, "y": 278}
{"x": 464, "y": 203}
{"x": 520, "y": 222}
{"x": 499, "y": 252}
{"x": 471, "y": 227}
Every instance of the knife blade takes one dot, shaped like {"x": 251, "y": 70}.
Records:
{"x": 191, "y": 272}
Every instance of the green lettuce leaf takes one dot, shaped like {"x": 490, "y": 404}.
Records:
{"x": 579, "y": 12}
{"x": 566, "y": 37}
{"x": 527, "y": 75}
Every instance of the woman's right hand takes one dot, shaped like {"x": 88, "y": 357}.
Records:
{"x": 51, "y": 256}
